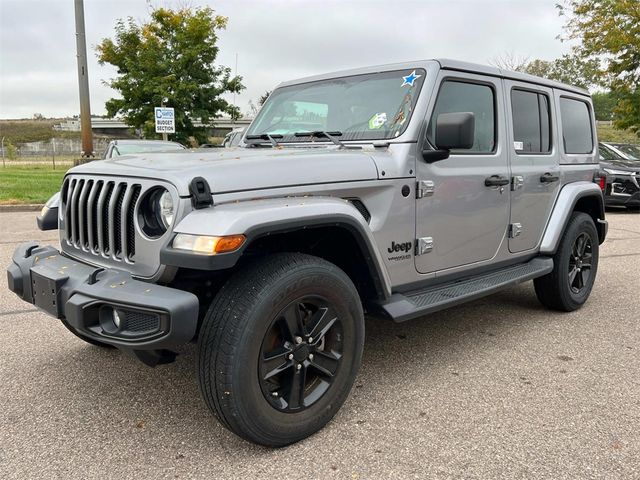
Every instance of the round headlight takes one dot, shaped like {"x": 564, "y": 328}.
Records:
{"x": 156, "y": 212}
{"x": 165, "y": 207}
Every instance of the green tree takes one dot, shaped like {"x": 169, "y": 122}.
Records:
{"x": 169, "y": 59}
{"x": 569, "y": 69}
{"x": 609, "y": 32}
{"x": 604, "y": 104}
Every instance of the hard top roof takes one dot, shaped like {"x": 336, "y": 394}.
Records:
{"x": 447, "y": 64}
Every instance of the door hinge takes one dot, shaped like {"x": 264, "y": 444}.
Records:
{"x": 517, "y": 182}
{"x": 425, "y": 188}
{"x": 424, "y": 245}
{"x": 515, "y": 229}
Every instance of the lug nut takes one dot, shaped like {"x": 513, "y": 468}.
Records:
{"x": 275, "y": 394}
{"x": 299, "y": 366}
{"x": 310, "y": 339}
{"x": 298, "y": 339}
{"x": 311, "y": 356}
{"x": 290, "y": 356}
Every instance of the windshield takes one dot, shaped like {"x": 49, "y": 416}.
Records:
{"x": 361, "y": 107}
{"x": 632, "y": 151}
{"x": 606, "y": 154}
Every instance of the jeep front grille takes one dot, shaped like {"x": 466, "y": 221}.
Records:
{"x": 99, "y": 217}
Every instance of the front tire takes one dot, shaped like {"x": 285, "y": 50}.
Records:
{"x": 280, "y": 347}
{"x": 575, "y": 265}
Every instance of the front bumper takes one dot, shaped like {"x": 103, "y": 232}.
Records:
{"x": 149, "y": 316}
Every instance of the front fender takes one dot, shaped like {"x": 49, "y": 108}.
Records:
{"x": 562, "y": 210}
{"x": 259, "y": 218}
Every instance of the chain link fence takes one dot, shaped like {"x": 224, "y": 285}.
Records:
{"x": 56, "y": 152}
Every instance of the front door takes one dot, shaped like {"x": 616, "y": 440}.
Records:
{"x": 534, "y": 162}
{"x": 465, "y": 218}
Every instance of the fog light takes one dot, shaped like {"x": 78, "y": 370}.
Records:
{"x": 117, "y": 318}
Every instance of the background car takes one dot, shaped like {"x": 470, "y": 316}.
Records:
{"x": 623, "y": 178}
{"x": 628, "y": 151}
{"x": 232, "y": 139}
{"x": 117, "y": 148}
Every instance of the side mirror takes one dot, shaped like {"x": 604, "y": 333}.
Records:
{"x": 48, "y": 218}
{"x": 453, "y": 131}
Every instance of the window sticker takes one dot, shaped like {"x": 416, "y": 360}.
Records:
{"x": 377, "y": 121}
{"x": 518, "y": 145}
{"x": 409, "y": 79}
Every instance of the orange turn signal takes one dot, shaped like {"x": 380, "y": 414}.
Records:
{"x": 206, "y": 244}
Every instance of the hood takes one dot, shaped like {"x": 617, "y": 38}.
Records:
{"x": 621, "y": 164}
{"x": 240, "y": 169}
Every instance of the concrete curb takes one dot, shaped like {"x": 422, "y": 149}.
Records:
{"x": 21, "y": 208}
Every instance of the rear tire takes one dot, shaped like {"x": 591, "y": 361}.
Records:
{"x": 575, "y": 265}
{"x": 280, "y": 347}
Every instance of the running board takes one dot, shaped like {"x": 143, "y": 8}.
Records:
{"x": 402, "y": 307}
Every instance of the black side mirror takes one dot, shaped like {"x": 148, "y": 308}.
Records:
{"x": 453, "y": 131}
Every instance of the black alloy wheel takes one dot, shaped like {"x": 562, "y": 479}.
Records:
{"x": 301, "y": 354}
{"x": 580, "y": 263}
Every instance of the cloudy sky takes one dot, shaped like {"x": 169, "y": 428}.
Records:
{"x": 275, "y": 40}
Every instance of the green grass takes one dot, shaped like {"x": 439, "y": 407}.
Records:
{"x": 606, "y": 133}
{"x": 32, "y": 184}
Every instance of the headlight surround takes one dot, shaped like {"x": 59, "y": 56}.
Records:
{"x": 156, "y": 212}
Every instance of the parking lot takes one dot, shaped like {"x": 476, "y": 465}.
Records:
{"x": 499, "y": 388}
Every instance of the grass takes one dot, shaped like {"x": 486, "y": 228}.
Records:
{"x": 606, "y": 133}
{"x": 20, "y": 131}
{"x": 32, "y": 184}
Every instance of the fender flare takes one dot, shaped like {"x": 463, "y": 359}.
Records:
{"x": 562, "y": 210}
{"x": 260, "y": 218}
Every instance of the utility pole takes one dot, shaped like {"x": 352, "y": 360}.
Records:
{"x": 235, "y": 74}
{"x": 83, "y": 82}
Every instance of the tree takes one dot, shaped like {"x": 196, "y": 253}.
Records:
{"x": 609, "y": 32}
{"x": 568, "y": 69}
{"x": 604, "y": 104}
{"x": 170, "y": 59}
{"x": 263, "y": 98}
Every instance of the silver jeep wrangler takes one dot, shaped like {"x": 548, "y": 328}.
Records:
{"x": 395, "y": 190}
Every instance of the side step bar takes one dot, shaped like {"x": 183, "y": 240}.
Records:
{"x": 402, "y": 307}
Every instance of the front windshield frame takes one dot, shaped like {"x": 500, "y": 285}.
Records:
{"x": 397, "y": 121}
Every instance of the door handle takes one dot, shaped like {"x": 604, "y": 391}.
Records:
{"x": 496, "y": 181}
{"x": 549, "y": 178}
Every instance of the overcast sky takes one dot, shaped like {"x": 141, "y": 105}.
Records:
{"x": 275, "y": 40}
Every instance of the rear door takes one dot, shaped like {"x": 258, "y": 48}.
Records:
{"x": 534, "y": 161}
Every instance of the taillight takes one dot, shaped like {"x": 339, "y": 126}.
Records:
{"x": 601, "y": 179}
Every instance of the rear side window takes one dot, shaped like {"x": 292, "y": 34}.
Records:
{"x": 576, "y": 126}
{"x": 455, "y": 96}
{"x": 531, "y": 122}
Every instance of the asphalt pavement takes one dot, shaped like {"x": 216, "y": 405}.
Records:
{"x": 498, "y": 388}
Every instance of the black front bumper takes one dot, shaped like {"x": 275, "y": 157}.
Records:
{"x": 148, "y": 316}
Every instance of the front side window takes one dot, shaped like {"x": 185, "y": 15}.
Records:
{"x": 361, "y": 107}
{"x": 456, "y": 96}
{"x": 531, "y": 124}
{"x": 576, "y": 126}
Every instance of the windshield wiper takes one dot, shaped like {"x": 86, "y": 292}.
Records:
{"x": 265, "y": 136}
{"x": 322, "y": 134}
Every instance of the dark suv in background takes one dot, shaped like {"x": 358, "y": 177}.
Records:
{"x": 623, "y": 176}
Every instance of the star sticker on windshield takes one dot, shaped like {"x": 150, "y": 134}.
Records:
{"x": 409, "y": 79}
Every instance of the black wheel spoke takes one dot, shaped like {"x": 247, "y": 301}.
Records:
{"x": 293, "y": 321}
{"x": 572, "y": 275}
{"x": 322, "y": 322}
{"x": 326, "y": 362}
{"x": 296, "y": 392}
{"x": 274, "y": 364}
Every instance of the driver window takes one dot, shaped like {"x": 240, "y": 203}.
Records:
{"x": 457, "y": 96}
